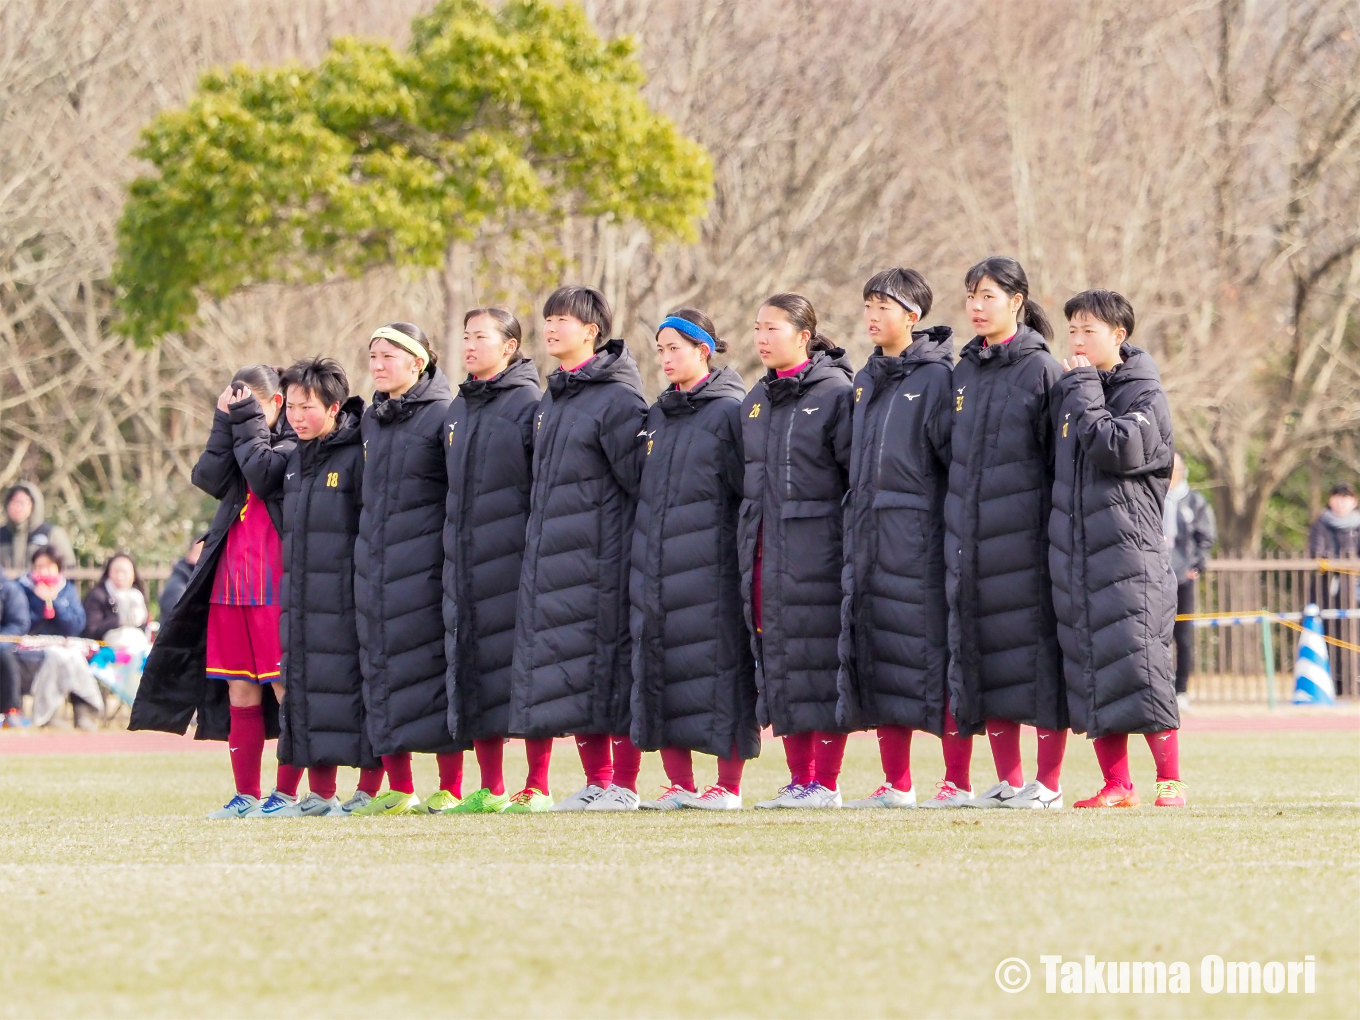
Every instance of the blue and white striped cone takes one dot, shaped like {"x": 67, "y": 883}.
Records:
{"x": 1312, "y": 671}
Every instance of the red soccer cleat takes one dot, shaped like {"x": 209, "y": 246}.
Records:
{"x": 1110, "y": 796}
{"x": 1170, "y": 793}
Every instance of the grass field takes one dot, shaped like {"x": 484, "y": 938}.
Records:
{"x": 117, "y": 898}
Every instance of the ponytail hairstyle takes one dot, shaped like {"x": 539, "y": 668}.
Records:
{"x": 261, "y": 380}
{"x": 698, "y": 318}
{"x": 1010, "y": 276}
{"x": 506, "y": 325}
{"x": 417, "y": 334}
{"x": 803, "y": 316}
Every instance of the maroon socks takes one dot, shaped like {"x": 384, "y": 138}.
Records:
{"x": 245, "y": 742}
{"x": 321, "y": 781}
{"x": 596, "y": 759}
{"x": 370, "y": 780}
{"x": 1112, "y": 752}
{"x": 958, "y": 753}
{"x": 287, "y": 779}
{"x": 798, "y": 753}
{"x": 538, "y": 751}
{"x": 679, "y": 765}
{"x": 1166, "y": 752}
{"x": 1052, "y": 747}
{"x": 894, "y": 749}
{"x": 451, "y": 773}
{"x": 627, "y": 762}
{"x": 399, "y": 772}
{"x": 828, "y": 751}
{"x": 490, "y": 753}
{"x": 729, "y": 772}
{"x": 1005, "y": 737}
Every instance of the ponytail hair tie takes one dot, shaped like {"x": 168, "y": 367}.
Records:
{"x": 690, "y": 330}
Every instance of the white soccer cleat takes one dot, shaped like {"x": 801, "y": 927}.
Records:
{"x": 579, "y": 800}
{"x": 616, "y": 798}
{"x": 276, "y": 805}
{"x": 948, "y": 796}
{"x": 1036, "y": 796}
{"x": 782, "y": 799}
{"x": 886, "y": 796}
{"x": 238, "y": 807}
{"x": 717, "y": 798}
{"x": 315, "y": 806}
{"x": 348, "y": 808}
{"x": 673, "y": 799}
{"x": 815, "y": 795}
{"x": 994, "y": 796}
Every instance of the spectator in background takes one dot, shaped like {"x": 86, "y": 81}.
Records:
{"x": 13, "y": 622}
{"x": 118, "y": 600}
{"x": 24, "y": 531}
{"x": 1188, "y": 521}
{"x": 54, "y": 610}
{"x": 1335, "y": 535}
{"x": 174, "y": 585}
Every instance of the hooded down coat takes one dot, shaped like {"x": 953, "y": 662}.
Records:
{"x": 572, "y": 659}
{"x": 894, "y": 650}
{"x": 796, "y": 439}
{"x": 1113, "y": 589}
{"x": 321, "y": 721}
{"x": 399, "y": 566}
{"x": 174, "y": 682}
{"x": 693, "y": 675}
{"x": 1003, "y": 643}
{"x": 488, "y": 450}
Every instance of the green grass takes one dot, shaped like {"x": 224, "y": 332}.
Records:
{"x": 116, "y": 898}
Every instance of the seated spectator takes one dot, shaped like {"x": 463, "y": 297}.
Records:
{"x": 13, "y": 622}
{"x": 173, "y": 588}
{"x": 24, "y": 531}
{"x": 57, "y": 672}
{"x": 53, "y": 602}
{"x": 117, "y": 601}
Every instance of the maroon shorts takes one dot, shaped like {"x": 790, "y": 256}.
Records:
{"x": 243, "y": 643}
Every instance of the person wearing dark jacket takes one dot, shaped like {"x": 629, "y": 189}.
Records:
{"x": 572, "y": 654}
{"x": 25, "y": 531}
{"x": 1335, "y": 535}
{"x": 321, "y": 717}
{"x": 893, "y": 646}
{"x": 174, "y": 587}
{"x": 488, "y": 453}
{"x": 1188, "y": 523}
{"x": 117, "y": 599}
{"x": 1004, "y": 665}
{"x": 399, "y": 566}
{"x": 1114, "y": 593}
{"x": 693, "y": 674}
{"x": 218, "y": 654}
{"x": 14, "y": 622}
{"x": 796, "y": 424}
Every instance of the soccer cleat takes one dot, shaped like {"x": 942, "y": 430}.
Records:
{"x": 1035, "y": 794}
{"x": 393, "y": 802}
{"x": 948, "y": 796}
{"x": 716, "y": 798}
{"x": 815, "y": 795}
{"x": 996, "y": 796}
{"x": 276, "y": 805}
{"x": 782, "y": 799}
{"x": 886, "y": 796}
{"x": 529, "y": 802}
{"x": 579, "y": 800}
{"x": 435, "y": 804}
{"x": 348, "y": 808}
{"x": 316, "y": 806}
{"x": 237, "y": 807}
{"x": 616, "y": 798}
{"x": 480, "y": 802}
{"x": 1110, "y": 796}
{"x": 674, "y": 798}
{"x": 1170, "y": 793}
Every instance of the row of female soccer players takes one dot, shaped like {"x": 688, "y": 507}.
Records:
{"x": 926, "y": 546}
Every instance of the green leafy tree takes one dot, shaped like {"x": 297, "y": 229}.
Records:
{"x": 377, "y": 157}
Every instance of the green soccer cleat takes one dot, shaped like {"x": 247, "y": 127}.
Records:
{"x": 481, "y": 802}
{"x": 529, "y": 801}
{"x": 392, "y": 802}
{"x": 435, "y": 804}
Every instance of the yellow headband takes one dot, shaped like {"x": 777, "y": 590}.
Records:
{"x": 406, "y": 343}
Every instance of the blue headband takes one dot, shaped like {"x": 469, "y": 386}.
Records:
{"x": 690, "y": 330}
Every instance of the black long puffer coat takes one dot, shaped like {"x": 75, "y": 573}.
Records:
{"x": 572, "y": 660}
{"x": 488, "y": 450}
{"x": 1113, "y": 589}
{"x": 796, "y": 439}
{"x": 693, "y": 675}
{"x": 1003, "y": 642}
{"x": 174, "y": 682}
{"x": 321, "y": 721}
{"x": 399, "y": 566}
{"x": 894, "y": 648}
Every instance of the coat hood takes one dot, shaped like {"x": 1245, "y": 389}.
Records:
{"x": 427, "y": 390}
{"x": 928, "y": 346}
{"x": 1025, "y": 342}
{"x": 34, "y": 493}
{"x": 1137, "y": 366}
{"x": 478, "y": 391}
{"x": 725, "y": 382}
{"x": 611, "y": 364}
{"x": 823, "y": 366}
{"x": 346, "y": 429}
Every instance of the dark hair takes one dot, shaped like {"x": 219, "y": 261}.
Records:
{"x": 903, "y": 286}
{"x": 136, "y": 575}
{"x": 584, "y": 304}
{"x": 321, "y": 377}
{"x": 1107, "y": 306}
{"x": 50, "y": 553}
{"x": 506, "y": 325}
{"x": 703, "y": 322}
{"x": 418, "y": 335}
{"x": 1343, "y": 489}
{"x": 262, "y": 380}
{"x": 803, "y": 316}
{"x": 1010, "y": 276}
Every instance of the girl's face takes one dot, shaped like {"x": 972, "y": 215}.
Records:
{"x": 486, "y": 353}
{"x": 684, "y": 363}
{"x": 778, "y": 343}
{"x": 887, "y": 322}
{"x": 394, "y": 369}
{"x": 992, "y": 311}
{"x": 121, "y": 574}
{"x": 310, "y": 418}
{"x": 1098, "y": 342}
{"x": 568, "y": 339}
{"x": 45, "y": 567}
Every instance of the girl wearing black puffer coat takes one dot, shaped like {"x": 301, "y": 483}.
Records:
{"x": 693, "y": 675}
{"x": 796, "y": 424}
{"x": 399, "y": 566}
{"x": 488, "y": 451}
{"x": 1004, "y": 665}
{"x": 1113, "y": 587}
{"x": 572, "y": 657}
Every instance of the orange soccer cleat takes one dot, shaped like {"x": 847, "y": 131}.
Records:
{"x": 1110, "y": 796}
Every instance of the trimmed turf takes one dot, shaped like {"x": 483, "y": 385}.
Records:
{"x": 116, "y": 897}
